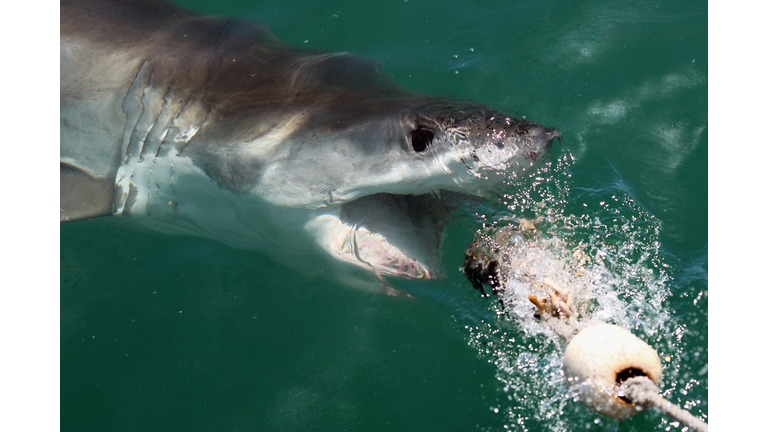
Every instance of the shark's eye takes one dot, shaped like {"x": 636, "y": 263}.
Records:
{"x": 421, "y": 138}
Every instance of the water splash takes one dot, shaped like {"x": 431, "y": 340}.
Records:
{"x": 607, "y": 252}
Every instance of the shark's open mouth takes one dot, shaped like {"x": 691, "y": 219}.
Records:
{"x": 394, "y": 235}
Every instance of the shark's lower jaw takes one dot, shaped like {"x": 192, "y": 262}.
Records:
{"x": 388, "y": 234}
{"x": 372, "y": 251}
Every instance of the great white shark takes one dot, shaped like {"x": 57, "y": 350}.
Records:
{"x": 210, "y": 126}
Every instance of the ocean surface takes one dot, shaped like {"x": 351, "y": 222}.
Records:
{"x": 162, "y": 333}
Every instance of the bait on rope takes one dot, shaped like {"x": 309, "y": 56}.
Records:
{"x": 613, "y": 372}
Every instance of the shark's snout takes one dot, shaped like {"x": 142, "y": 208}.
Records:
{"x": 545, "y": 138}
{"x": 550, "y": 134}
{"x": 537, "y": 140}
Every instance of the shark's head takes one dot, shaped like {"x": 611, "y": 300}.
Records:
{"x": 383, "y": 180}
{"x": 374, "y": 170}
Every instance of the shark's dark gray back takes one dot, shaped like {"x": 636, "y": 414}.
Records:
{"x": 138, "y": 75}
{"x": 237, "y": 61}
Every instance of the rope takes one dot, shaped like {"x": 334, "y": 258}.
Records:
{"x": 555, "y": 311}
{"x": 644, "y": 393}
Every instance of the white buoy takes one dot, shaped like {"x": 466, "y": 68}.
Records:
{"x": 599, "y": 358}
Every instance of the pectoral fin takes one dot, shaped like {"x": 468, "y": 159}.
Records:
{"x": 82, "y": 196}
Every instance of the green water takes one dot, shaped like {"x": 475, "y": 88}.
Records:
{"x": 179, "y": 333}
